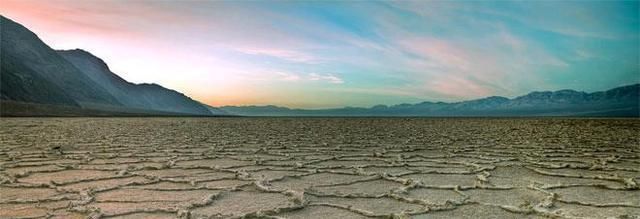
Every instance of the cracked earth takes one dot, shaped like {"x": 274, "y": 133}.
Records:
{"x": 319, "y": 168}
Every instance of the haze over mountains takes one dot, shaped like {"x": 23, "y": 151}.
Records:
{"x": 37, "y": 80}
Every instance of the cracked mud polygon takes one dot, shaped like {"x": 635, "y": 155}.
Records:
{"x": 319, "y": 168}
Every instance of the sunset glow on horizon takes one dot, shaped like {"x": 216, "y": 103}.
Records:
{"x": 327, "y": 54}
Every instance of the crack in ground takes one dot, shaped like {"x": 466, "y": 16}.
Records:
{"x": 318, "y": 167}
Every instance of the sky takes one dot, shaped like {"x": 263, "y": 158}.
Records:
{"x": 323, "y": 54}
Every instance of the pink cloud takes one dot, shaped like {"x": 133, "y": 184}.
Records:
{"x": 448, "y": 67}
{"x": 460, "y": 87}
{"x": 482, "y": 66}
{"x": 439, "y": 52}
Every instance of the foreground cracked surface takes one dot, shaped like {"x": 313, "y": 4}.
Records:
{"x": 319, "y": 168}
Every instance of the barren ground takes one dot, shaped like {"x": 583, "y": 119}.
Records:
{"x": 319, "y": 168}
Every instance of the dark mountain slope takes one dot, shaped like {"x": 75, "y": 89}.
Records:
{"x": 33, "y": 72}
{"x": 140, "y": 96}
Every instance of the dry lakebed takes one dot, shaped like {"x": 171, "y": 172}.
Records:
{"x": 319, "y": 168}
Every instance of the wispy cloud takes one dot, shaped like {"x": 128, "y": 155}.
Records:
{"x": 270, "y": 76}
{"x": 325, "y": 77}
{"x": 289, "y": 55}
{"x": 284, "y": 76}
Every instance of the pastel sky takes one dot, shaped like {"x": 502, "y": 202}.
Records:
{"x": 319, "y": 54}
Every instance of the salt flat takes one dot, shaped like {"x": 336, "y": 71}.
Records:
{"x": 319, "y": 168}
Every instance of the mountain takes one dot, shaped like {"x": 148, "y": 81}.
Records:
{"x": 622, "y": 101}
{"x": 33, "y": 72}
{"x": 140, "y": 96}
{"x": 34, "y": 76}
{"x": 217, "y": 111}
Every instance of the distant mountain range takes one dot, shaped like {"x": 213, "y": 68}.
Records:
{"x": 622, "y": 101}
{"x": 36, "y": 80}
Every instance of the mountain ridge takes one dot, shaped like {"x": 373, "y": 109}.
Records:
{"x": 32, "y": 71}
{"x": 563, "y": 102}
{"x": 34, "y": 75}
{"x": 143, "y": 96}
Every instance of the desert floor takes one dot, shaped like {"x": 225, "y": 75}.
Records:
{"x": 319, "y": 168}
